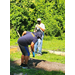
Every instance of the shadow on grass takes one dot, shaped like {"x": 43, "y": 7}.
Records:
{"x": 15, "y": 68}
{"x": 44, "y": 52}
{"x": 34, "y": 62}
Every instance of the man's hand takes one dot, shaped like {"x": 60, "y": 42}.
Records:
{"x": 24, "y": 33}
{"x": 38, "y": 26}
{"x": 33, "y": 54}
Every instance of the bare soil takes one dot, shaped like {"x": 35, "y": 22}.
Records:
{"x": 42, "y": 64}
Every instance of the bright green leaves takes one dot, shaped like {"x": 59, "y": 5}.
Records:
{"x": 24, "y": 14}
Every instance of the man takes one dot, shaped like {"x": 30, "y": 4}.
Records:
{"x": 28, "y": 38}
{"x": 40, "y": 27}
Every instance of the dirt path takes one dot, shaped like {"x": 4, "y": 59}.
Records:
{"x": 42, "y": 64}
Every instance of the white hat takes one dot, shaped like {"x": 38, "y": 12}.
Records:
{"x": 38, "y": 19}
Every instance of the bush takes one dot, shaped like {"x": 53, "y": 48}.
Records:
{"x": 48, "y": 38}
{"x": 24, "y": 14}
{"x": 62, "y": 37}
{"x": 13, "y": 34}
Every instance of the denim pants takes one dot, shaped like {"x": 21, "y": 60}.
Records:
{"x": 38, "y": 45}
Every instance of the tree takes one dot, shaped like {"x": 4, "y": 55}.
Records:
{"x": 24, "y": 14}
{"x": 21, "y": 15}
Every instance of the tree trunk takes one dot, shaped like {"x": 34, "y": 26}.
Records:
{"x": 17, "y": 32}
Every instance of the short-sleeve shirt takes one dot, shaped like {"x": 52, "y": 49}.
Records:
{"x": 27, "y": 39}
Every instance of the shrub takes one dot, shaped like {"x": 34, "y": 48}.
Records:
{"x": 62, "y": 37}
{"x": 13, "y": 34}
{"x": 24, "y": 14}
{"x": 48, "y": 38}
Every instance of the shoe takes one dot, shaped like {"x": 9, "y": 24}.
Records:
{"x": 40, "y": 53}
{"x": 22, "y": 65}
{"x": 25, "y": 66}
{"x": 35, "y": 52}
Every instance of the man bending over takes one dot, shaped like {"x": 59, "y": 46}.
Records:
{"x": 28, "y": 38}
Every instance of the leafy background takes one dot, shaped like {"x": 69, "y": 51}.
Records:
{"x": 24, "y": 14}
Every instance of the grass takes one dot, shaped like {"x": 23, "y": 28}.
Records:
{"x": 17, "y": 70}
{"x": 50, "y": 57}
{"x": 45, "y": 56}
{"x": 47, "y": 45}
{"x": 58, "y": 45}
{"x": 14, "y": 68}
{"x": 54, "y": 44}
{"x": 13, "y": 42}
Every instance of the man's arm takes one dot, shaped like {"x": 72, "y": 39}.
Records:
{"x": 41, "y": 28}
{"x": 24, "y": 33}
{"x": 32, "y": 46}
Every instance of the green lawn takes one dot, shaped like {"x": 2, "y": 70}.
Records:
{"x": 17, "y": 70}
{"x": 50, "y": 57}
{"x": 48, "y": 45}
{"x": 58, "y": 45}
{"x": 13, "y": 42}
{"x": 46, "y": 56}
{"x": 51, "y": 45}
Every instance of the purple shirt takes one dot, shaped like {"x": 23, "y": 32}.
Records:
{"x": 27, "y": 39}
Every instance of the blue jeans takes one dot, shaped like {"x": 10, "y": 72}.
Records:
{"x": 38, "y": 45}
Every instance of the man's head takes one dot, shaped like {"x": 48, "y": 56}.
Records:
{"x": 39, "y": 20}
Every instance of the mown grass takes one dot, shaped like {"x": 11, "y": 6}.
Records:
{"x": 51, "y": 45}
{"x": 54, "y": 44}
{"x": 58, "y": 45}
{"x": 50, "y": 57}
{"x": 13, "y": 42}
{"x": 46, "y": 56}
{"x": 17, "y": 70}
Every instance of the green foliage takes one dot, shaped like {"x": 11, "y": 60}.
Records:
{"x": 54, "y": 21}
{"x": 13, "y": 34}
{"x": 47, "y": 38}
{"x": 21, "y": 15}
{"x": 24, "y": 13}
{"x": 62, "y": 37}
